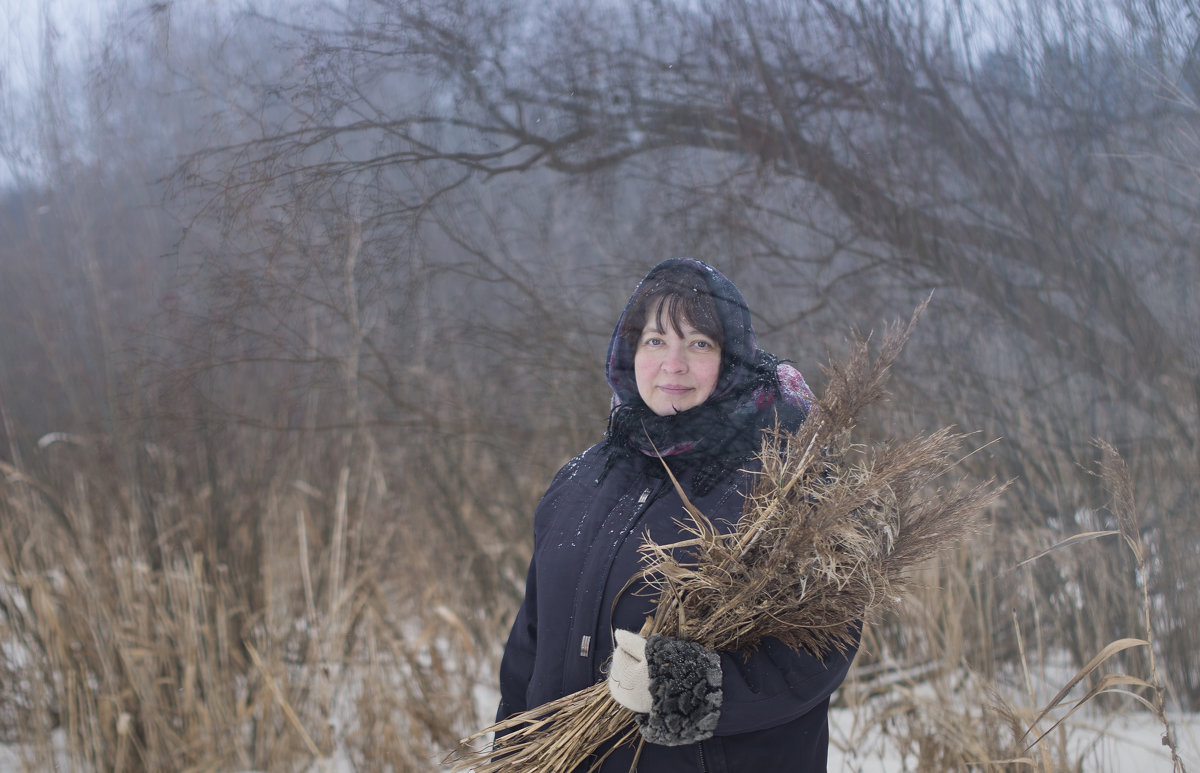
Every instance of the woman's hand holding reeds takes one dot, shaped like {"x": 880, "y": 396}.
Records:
{"x": 628, "y": 676}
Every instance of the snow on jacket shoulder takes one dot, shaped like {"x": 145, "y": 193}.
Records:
{"x": 587, "y": 530}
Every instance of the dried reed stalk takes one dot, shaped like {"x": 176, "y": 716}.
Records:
{"x": 826, "y": 539}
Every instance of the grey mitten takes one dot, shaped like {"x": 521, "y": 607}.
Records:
{"x": 684, "y": 687}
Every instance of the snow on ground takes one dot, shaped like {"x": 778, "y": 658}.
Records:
{"x": 1105, "y": 744}
{"x": 1116, "y": 744}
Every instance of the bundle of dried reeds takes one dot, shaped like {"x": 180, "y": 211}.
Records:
{"x": 826, "y": 539}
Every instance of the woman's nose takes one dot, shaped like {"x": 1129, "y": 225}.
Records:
{"x": 675, "y": 361}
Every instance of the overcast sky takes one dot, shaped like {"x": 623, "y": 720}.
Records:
{"x": 22, "y": 27}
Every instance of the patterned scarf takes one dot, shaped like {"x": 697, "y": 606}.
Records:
{"x": 755, "y": 391}
{"x": 718, "y": 437}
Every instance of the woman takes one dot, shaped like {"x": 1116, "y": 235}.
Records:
{"x": 690, "y": 389}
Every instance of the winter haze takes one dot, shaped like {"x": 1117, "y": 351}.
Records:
{"x": 302, "y": 305}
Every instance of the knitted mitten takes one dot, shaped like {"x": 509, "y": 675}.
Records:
{"x": 628, "y": 676}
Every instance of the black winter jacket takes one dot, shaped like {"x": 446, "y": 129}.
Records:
{"x": 587, "y": 530}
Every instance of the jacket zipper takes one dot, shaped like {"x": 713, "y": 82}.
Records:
{"x": 703, "y": 764}
{"x": 585, "y": 642}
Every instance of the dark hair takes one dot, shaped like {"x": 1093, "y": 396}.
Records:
{"x": 680, "y": 295}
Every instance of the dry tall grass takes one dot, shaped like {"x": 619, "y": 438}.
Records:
{"x": 334, "y": 613}
{"x": 948, "y": 699}
{"x": 317, "y": 638}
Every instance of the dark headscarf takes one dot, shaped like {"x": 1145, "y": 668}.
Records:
{"x": 754, "y": 391}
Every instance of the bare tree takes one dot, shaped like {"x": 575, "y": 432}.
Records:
{"x": 849, "y": 156}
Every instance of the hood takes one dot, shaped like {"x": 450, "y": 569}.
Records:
{"x": 738, "y": 353}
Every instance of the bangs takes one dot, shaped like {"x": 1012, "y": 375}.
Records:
{"x": 675, "y": 298}
{"x": 695, "y": 309}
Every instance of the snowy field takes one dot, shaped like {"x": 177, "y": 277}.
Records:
{"x": 1100, "y": 743}
{"x": 1106, "y": 745}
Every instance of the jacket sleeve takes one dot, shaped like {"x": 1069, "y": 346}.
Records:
{"x": 516, "y": 667}
{"x": 775, "y": 684}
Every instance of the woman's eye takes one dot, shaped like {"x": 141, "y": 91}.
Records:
{"x": 703, "y": 345}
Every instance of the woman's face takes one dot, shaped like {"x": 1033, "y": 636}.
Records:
{"x": 675, "y": 372}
